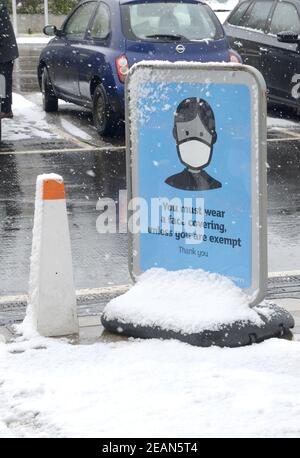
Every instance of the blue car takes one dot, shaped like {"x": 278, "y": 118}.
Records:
{"x": 87, "y": 60}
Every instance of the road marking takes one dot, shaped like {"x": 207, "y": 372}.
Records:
{"x": 284, "y": 130}
{"x": 293, "y": 134}
{"x": 68, "y": 136}
{"x": 13, "y": 299}
{"x": 289, "y": 139}
{"x": 103, "y": 148}
{"x": 67, "y": 150}
{"x": 284, "y": 273}
{"x": 121, "y": 289}
{"x": 105, "y": 290}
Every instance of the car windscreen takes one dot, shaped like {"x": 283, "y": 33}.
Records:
{"x": 166, "y": 21}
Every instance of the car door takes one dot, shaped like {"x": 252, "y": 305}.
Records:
{"x": 247, "y": 37}
{"x": 92, "y": 54}
{"x": 73, "y": 34}
{"x": 255, "y": 22}
{"x": 234, "y": 32}
{"x": 282, "y": 61}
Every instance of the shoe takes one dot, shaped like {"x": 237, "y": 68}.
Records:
{"x": 6, "y": 115}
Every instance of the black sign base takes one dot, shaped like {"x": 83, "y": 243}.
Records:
{"x": 277, "y": 322}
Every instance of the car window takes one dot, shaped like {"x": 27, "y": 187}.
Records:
{"x": 285, "y": 19}
{"x": 194, "y": 21}
{"x": 236, "y": 16}
{"x": 78, "y": 22}
{"x": 256, "y": 17}
{"x": 101, "y": 24}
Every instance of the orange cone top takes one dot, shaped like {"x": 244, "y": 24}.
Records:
{"x": 53, "y": 190}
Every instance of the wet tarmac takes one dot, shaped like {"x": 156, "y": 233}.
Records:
{"x": 284, "y": 205}
{"x": 88, "y": 176}
{"x": 92, "y": 168}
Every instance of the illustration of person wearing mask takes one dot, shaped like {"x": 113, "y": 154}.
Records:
{"x": 195, "y": 135}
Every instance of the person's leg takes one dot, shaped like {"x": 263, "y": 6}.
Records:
{"x": 7, "y": 69}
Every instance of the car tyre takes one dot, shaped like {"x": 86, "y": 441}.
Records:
{"x": 103, "y": 117}
{"x": 50, "y": 101}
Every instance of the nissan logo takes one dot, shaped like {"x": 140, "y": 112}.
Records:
{"x": 180, "y": 49}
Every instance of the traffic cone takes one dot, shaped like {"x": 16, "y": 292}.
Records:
{"x": 52, "y": 298}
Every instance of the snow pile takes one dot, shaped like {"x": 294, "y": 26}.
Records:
{"x": 149, "y": 388}
{"x": 29, "y": 121}
{"x": 187, "y": 301}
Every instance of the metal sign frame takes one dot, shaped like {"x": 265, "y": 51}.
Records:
{"x": 181, "y": 72}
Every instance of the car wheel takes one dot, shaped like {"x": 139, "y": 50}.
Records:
{"x": 103, "y": 118}
{"x": 50, "y": 101}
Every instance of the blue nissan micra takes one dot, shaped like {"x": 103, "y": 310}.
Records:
{"x": 87, "y": 60}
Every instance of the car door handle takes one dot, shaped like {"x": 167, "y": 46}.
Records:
{"x": 263, "y": 50}
{"x": 238, "y": 43}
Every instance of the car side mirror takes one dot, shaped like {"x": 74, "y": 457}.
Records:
{"x": 52, "y": 30}
{"x": 288, "y": 37}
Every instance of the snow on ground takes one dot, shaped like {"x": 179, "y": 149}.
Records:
{"x": 147, "y": 304}
{"x": 29, "y": 121}
{"x": 151, "y": 388}
{"x": 222, "y": 8}
{"x": 279, "y": 122}
{"x": 222, "y": 15}
{"x": 227, "y": 5}
{"x": 37, "y": 39}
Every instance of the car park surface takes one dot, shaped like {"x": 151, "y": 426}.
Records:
{"x": 266, "y": 35}
{"x": 66, "y": 142}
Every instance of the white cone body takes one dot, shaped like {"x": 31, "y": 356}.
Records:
{"x": 52, "y": 297}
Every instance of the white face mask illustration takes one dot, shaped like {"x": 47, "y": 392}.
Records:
{"x": 194, "y": 153}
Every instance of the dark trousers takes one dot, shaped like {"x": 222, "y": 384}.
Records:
{"x": 6, "y": 69}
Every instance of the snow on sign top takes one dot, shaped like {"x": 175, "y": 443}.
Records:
{"x": 210, "y": 302}
{"x": 196, "y": 156}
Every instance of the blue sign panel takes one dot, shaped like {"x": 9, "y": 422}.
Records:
{"x": 194, "y": 153}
